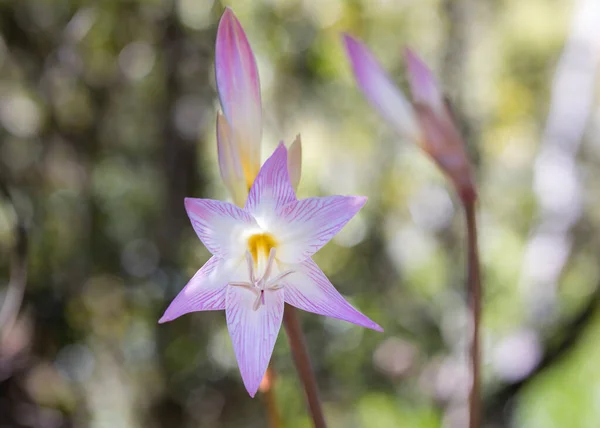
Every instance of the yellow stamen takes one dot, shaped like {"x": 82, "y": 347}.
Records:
{"x": 260, "y": 246}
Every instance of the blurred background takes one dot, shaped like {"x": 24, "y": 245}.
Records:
{"x": 107, "y": 121}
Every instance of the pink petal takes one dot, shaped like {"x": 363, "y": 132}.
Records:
{"x": 441, "y": 138}
{"x": 230, "y": 163}
{"x": 309, "y": 289}
{"x": 303, "y": 227}
{"x": 272, "y": 188}
{"x": 219, "y": 225}
{"x": 295, "y": 162}
{"x": 422, "y": 82}
{"x": 380, "y": 91}
{"x": 204, "y": 292}
{"x": 253, "y": 332}
{"x": 239, "y": 90}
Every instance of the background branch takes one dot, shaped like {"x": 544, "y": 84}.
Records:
{"x": 557, "y": 347}
{"x": 18, "y": 267}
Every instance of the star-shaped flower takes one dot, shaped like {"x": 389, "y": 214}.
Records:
{"x": 262, "y": 259}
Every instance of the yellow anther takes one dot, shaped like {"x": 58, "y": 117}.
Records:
{"x": 260, "y": 245}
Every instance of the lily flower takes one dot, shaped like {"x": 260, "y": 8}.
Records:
{"x": 427, "y": 121}
{"x": 239, "y": 128}
{"x": 262, "y": 259}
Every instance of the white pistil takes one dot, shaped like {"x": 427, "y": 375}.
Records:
{"x": 259, "y": 286}
{"x": 250, "y": 264}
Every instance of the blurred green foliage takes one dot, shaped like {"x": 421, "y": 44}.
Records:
{"x": 107, "y": 113}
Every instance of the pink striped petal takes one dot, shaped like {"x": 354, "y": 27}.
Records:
{"x": 220, "y": 226}
{"x": 239, "y": 90}
{"x": 309, "y": 289}
{"x": 295, "y": 162}
{"x": 304, "y": 227}
{"x": 253, "y": 332}
{"x": 379, "y": 89}
{"x": 204, "y": 292}
{"x": 423, "y": 84}
{"x": 230, "y": 163}
{"x": 271, "y": 189}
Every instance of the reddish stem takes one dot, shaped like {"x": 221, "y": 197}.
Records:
{"x": 474, "y": 298}
{"x": 266, "y": 387}
{"x": 303, "y": 366}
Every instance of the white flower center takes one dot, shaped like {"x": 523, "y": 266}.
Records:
{"x": 260, "y": 285}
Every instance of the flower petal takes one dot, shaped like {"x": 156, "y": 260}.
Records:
{"x": 380, "y": 90}
{"x": 309, "y": 289}
{"x": 239, "y": 90}
{"x": 295, "y": 162}
{"x": 204, "y": 292}
{"x": 422, "y": 82}
{"x": 441, "y": 138}
{"x": 253, "y": 332}
{"x": 230, "y": 163}
{"x": 303, "y": 227}
{"x": 220, "y": 226}
{"x": 271, "y": 189}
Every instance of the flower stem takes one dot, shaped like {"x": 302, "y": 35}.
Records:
{"x": 303, "y": 366}
{"x": 267, "y": 387}
{"x": 474, "y": 297}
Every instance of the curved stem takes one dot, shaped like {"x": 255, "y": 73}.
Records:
{"x": 474, "y": 297}
{"x": 303, "y": 366}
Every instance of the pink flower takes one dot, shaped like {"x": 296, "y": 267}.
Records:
{"x": 239, "y": 130}
{"x": 262, "y": 259}
{"x": 427, "y": 121}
